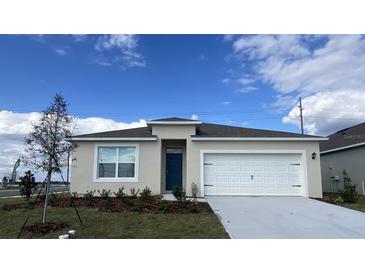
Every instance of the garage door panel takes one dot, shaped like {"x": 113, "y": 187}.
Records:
{"x": 253, "y": 174}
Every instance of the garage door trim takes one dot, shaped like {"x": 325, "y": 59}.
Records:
{"x": 302, "y": 152}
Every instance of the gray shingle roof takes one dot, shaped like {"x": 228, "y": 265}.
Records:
{"x": 345, "y": 137}
{"x": 173, "y": 119}
{"x": 132, "y": 132}
{"x": 214, "y": 130}
{"x": 203, "y": 130}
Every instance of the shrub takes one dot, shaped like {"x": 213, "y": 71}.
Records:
{"x": 350, "y": 194}
{"x": 179, "y": 194}
{"x": 105, "y": 194}
{"x": 89, "y": 197}
{"x": 339, "y": 200}
{"x": 165, "y": 207}
{"x": 194, "y": 209}
{"x": 194, "y": 190}
{"x": 146, "y": 193}
{"x": 108, "y": 204}
{"x": 27, "y": 185}
{"x": 129, "y": 202}
{"x": 134, "y": 192}
{"x": 120, "y": 193}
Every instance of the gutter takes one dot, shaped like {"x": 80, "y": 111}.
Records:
{"x": 282, "y": 139}
{"x": 114, "y": 139}
{"x": 342, "y": 148}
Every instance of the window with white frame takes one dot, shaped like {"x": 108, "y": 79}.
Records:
{"x": 116, "y": 162}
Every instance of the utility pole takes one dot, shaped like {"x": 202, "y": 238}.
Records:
{"x": 301, "y": 114}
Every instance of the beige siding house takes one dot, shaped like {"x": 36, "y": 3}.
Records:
{"x": 219, "y": 159}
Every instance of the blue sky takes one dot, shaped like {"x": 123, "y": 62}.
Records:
{"x": 182, "y": 76}
{"x": 118, "y": 81}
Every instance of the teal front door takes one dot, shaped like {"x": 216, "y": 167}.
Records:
{"x": 174, "y": 168}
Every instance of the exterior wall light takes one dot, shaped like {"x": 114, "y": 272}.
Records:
{"x": 314, "y": 155}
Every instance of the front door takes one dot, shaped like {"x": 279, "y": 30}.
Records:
{"x": 174, "y": 168}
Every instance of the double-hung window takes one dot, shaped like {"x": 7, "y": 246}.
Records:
{"x": 118, "y": 163}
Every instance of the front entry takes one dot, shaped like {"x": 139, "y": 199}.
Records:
{"x": 174, "y": 168}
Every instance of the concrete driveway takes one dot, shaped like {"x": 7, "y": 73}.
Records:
{"x": 286, "y": 218}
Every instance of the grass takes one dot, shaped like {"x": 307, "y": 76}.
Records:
{"x": 359, "y": 205}
{"x": 102, "y": 225}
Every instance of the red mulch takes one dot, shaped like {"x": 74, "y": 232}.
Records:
{"x": 326, "y": 201}
{"x": 45, "y": 228}
{"x": 153, "y": 204}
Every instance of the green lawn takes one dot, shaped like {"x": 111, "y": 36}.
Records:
{"x": 104, "y": 225}
{"x": 359, "y": 205}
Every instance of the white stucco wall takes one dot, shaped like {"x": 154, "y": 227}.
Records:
{"x": 83, "y": 168}
{"x": 150, "y": 160}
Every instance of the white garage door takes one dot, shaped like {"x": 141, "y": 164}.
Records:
{"x": 253, "y": 174}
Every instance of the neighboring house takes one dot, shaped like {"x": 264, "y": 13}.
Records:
{"x": 344, "y": 149}
{"x": 221, "y": 160}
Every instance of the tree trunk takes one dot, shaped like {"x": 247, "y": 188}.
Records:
{"x": 48, "y": 184}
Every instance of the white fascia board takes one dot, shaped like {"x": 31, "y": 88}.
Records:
{"x": 342, "y": 148}
{"x": 114, "y": 139}
{"x": 258, "y": 139}
{"x": 176, "y": 123}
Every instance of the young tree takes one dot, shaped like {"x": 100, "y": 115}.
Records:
{"x": 27, "y": 185}
{"x": 47, "y": 145}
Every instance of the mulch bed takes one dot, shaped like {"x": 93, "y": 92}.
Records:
{"x": 325, "y": 200}
{"x": 45, "y": 228}
{"x": 153, "y": 204}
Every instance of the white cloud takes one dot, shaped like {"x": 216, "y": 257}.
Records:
{"x": 15, "y": 126}
{"x": 247, "y": 89}
{"x": 226, "y": 103}
{"x": 246, "y": 80}
{"x": 79, "y": 37}
{"x": 194, "y": 117}
{"x": 61, "y": 52}
{"x": 126, "y": 46}
{"x": 328, "y": 112}
{"x": 321, "y": 69}
{"x": 226, "y": 81}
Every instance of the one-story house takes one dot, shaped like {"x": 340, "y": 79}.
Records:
{"x": 219, "y": 159}
{"x": 344, "y": 150}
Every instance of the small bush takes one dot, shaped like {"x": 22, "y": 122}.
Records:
{"x": 194, "y": 209}
{"x": 134, "y": 192}
{"x": 350, "y": 194}
{"x": 194, "y": 190}
{"x": 27, "y": 185}
{"x": 108, "y": 204}
{"x": 165, "y": 207}
{"x": 120, "y": 193}
{"x": 129, "y": 202}
{"x": 179, "y": 194}
{"x": 339, "y": 200}
{"x": 89, "y": 197}
{"x": 146, "y": 193}
{"x": 105, "y": 194}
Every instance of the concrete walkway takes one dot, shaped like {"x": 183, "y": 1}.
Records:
{"x": 286, "y": 218}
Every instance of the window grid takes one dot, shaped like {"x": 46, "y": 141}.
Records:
{"x": 117, "y": 162}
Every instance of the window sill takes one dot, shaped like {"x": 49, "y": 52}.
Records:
{"x": 116, "y": 180}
